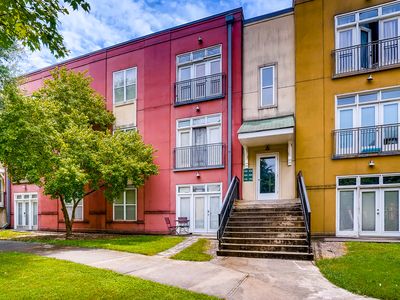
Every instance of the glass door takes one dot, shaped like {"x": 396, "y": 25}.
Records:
{"x": 346, "y": 205}
{"x": 390, "y": 132}
{"x": 267, "y": 177}
{"x": 346, "y": 138}
{"x": 389, "y": 43}
{"x": 365, "y": 50}
{"x": 369, "y": 212}
{"x": 214, "y": 146}
{"x": 200, "y": 81}
{"x": 214, "y": 203}
{"x": 345, "y": 61}
{"x": 368, "y": 129}
{"x": 199, "y": 149}
{"x": 391, "y": 212}
{"x": 200, "y": 208}
{"x": 184, "y": 90}
{"x": 215, "y": 85}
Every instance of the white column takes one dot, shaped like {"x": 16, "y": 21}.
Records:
{"x": 246, "y": 156}
{"x": 290, "y": 153}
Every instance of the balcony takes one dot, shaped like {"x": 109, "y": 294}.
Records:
{"x": 200, "y": 89}
{"x": 366, "y": 141}
{"x": 364, "y": 58}
{"x": 199, "y": 157}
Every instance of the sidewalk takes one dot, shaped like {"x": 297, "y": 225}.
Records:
{"x": 230, "y": 278}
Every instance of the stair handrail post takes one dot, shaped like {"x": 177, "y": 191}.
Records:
{"x": 231, "y": 195}
{"x": 305, "y": 206}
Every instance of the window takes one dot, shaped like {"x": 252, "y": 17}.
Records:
{"x": 199, "y": 74}
{"x": 267, "y": 91}
{"x": 78, "y": 210}
{"x": 124, "y": 86}
{"x": 125, "y": 206}
{"x": 368, "y": 121}
{"x": 199, "y": 142}
{"x": 368, "y": 38}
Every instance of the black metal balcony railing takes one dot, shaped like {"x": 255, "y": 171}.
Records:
{"x": 363, "y": 141}
{"x": 199, "y": 157}
{"x": 199, "y": 89}
{"x": 366, "y": 57}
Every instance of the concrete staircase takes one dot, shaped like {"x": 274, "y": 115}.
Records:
{"x": 273, "y": 229}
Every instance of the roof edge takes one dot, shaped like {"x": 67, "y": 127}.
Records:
{"x": 269, "y": 15}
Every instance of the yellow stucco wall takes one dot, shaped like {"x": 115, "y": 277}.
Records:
{"x": 315, "y": 107}
{"x": 286, "y": 173}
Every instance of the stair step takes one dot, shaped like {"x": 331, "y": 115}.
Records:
{"x": 266, "y": 254}
{"x": 266, "y": 213}
{"x": 277, "y": 223}
{"x": 265, "y": 247}
{"x": 264, "y": 218}
{"x": 264, "y": 229}
{"x": 257, "y": 234}
{"x": 270, "y": 210}
{"x": 270, "y": 240}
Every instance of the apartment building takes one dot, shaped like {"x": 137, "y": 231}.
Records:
{"x": 347, "y": 114}
{"x": 181, "y": 89}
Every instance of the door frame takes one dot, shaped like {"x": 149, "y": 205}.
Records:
{"x": 30, "y": 226}
{"x": 274, "y": 196}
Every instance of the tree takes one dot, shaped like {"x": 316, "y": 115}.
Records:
{"x": 34, "y": 23}
{"x": 60, "y": 139}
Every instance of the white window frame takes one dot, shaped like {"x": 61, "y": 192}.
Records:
{"x": 191, "y": 126}
{"x": 379, "y": 189}
{"x": 124, "y": 205}
{"x": 79, "y": 206}
{"x": 274, "y": 88}
{"x": 125, "y": 86}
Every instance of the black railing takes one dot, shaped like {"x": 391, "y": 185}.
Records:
{"x": 199, "y": 156}
{"x": 200, "y": 89}
{"x": 305, "y": 206}
{"x": 231, "y": 195}
{"x": 364, "y": 141}
{"x": 366, "y": 57}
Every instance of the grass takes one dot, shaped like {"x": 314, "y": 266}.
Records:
{"x": 28, "y": 276}
{"x": 7, "y": 234}
{"x": 371, "y": 269}
{"x": 142, "y": 244}
{"x": 195, "y": 252}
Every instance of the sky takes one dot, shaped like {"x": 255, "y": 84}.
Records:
{"x": 114, "y": 21}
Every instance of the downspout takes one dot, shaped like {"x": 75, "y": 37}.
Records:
{"x": 229, "y": 21}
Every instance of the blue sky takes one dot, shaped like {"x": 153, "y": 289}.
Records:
{"x": 114, "y": 21}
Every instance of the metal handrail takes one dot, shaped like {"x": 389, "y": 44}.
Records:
{"x": 199, "y": 156}
{"x": 369, "y": 56}
{"x": 305, "y": 207}
{"x": 366, "y": 140}
{"x": 231, "y": 195}
{"x": 199, "y": 88}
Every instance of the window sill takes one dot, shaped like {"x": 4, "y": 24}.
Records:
{"x": 125, "y": 222}
{"x": 75, "y": 222}
{"x": 124, "y": 103}
{"x": 267, "y": 107}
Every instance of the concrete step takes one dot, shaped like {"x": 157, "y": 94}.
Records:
{"x": 259, "y": 234}
{"x": 269, "y": 223}
{"x": 270, "y": 240}
{"x": 265, "y": 247}
{"x": 265, "y": 213}
{"x": 264, "y": 218}
{"x": 266, "y": 254}
{"x": 267, "y": 210}
{"x": 264, "y": 229}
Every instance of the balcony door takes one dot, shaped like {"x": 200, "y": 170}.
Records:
{"x": 390, "y": 43}
{"x": 365, "y": 49}
{"x": 345, "y": 58}
{"x": 368, "y": 132}
{"x": 390, "y": 132}
{"x": 199, "y": 152}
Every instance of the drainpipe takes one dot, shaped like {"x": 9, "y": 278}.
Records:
{"x": 229, "y": 21}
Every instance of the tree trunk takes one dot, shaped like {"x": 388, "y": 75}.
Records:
{"x": 67, "y": 220}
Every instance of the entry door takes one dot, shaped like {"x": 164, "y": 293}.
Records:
{"x": 26, "y": 210}
{"x": 267, "y": 176}
{"x": 206, "y": 209}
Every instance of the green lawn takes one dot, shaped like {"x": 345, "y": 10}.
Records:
{"x": 27, "y": 276}
{"x": 142, "y": 244}
{"x": 11, "y": 234}
{"x": 371, "y": 269}
{"x": 195, "y": 252}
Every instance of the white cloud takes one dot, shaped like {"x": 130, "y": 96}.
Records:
{"x": 114, "y": 21}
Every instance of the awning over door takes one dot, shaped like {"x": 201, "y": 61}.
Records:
{"x": 279, "y": 130}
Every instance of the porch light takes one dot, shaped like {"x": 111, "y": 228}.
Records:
{"x": 197, "y": 108}
{"x": 197, "y": 174}
{"x": 370, "y": 78}
{"x": 200, "y": 40}
{"x": 371, "y": 164}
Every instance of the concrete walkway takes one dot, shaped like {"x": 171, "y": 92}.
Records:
{"x": 230, "y": 278}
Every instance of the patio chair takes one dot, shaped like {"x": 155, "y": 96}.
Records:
{"x": 183, "y": 225}
{"x": 171, "y": 228}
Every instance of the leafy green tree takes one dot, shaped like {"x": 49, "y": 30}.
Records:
{"x": 60, "y": 139}
{"x": 35, "y": 23}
